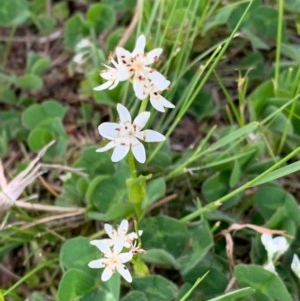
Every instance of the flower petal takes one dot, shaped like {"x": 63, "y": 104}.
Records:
{"x": 141, "y": 119}
{"x": 107, "y": 273}
{"x": 124, "y": 114}
{"x": 160, "y": 82}
{"x": 124, "y": 272}
{"x": 109, "y": 130}
{"x": 123, "y": 55}
{"x": 96, "y": 264}
{"x": 123, "y": 228}
{"x": 103, "y": 86}
{"x": 119, "y": 153}
{"x": 118, "y": 245}
{"x": 296, "y": 265}
{"x": 139, "y": 45}
{"x": 102, "y": 246}
{"x": 280, "y": 244}
{"x": 108, "y": 146}
{"x": 152, "y": 56}
{"x": 109, "y": 230}
{"x": 139, "y": 89}
{"x": 160, "y": 103}
{"x": 266, "y": 240}
{"x": 139, "y": 152}
{"x": 150, "y": 136}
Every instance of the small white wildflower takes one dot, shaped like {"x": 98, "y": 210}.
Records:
{"x": 113, "y": 75}
{"x": 125, "y": 135}
{"x": 113, "y": 260}
{"x": 296, "y": 265}
{"x": 128, "y": 64}
{"x": 82, "y": 51}
{"x": 120, "y": 233}
{"x": 275, "y": 247}
{"x": 138, "y": 61}
{"x": 10, "y": 192}
{"x": 144, "y": 88}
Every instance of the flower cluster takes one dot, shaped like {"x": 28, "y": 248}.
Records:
{"x": 125, "y": 136}
{"x": 147, "y": 82}
{"x": 118, "y": 249}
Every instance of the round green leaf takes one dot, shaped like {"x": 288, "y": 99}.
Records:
{"x": 101, "y": 16}
{"x": 29, "y": 82}
{"x": 13, "y": 12}
{"x": 38, "y": 138}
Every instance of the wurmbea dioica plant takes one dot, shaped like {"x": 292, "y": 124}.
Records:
{"x": 125, "y": 138}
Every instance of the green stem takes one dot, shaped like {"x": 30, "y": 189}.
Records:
{"x": 214, "y": 205}
{"x": 143, "y": 105}
{"x": 28, "y": 275}
{"x": 132, "y": 166}
{"x": 278, "y": 43}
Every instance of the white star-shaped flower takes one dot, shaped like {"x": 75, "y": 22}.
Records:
{"x": 144, "y": 88}
{"x": 120, "y": 233}
{"x": 296, "y": 265}
{"x": 112, "y": 261}
{"x": 10, "y": 192}
{"x": 113, "y": 75}
{"x": 126, "y": 135}
{"x": 275, "y": 247}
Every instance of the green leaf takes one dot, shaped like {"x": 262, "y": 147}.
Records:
{"x": 75, "y": 30}
{"x": 135, "y": 296}
{"x": 156, "y": 189}
{"x": 41, "y": 65}
{"x": 74, "y": 284}
{"x": 266, "y": 284}
{"x": 13, "y": 12}
{"x": 29, "y": 82}
{"x": 270, "y": 199}
{"x": 103, "y": 193}
{"x": 279, "y": 173}
{"x": 170, "y": 234}
{"x": 215, "y": 186}
{"x": 77, "y": 253}
{"x": 200, "y": 242}
{"x": 236, "y": 134}
{"x": 95, "y": 163}
{"x": 38, "y": 138}
{"x": 237, "y": 294}
{"x": 156, "y": 288}
{"x": 35, "y": 114}
{"x": 160, "y": 257}
{"x": 101, "y": 16}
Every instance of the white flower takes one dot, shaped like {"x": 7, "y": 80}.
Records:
{"x": 128, "y": 64}
{"x": 82, "y": 51}
{"x": 138, "y": 61}
{"x": 275, "y": 247}
{"x": 120, "y": 233}
{"x": 112, "y": 261}
{"x": 270, "y": 267}
{"x": 125, "y": 135}
{"x": 113, "y": 76}
{"x": 296, "y": 265}
{"x": 144, "y": 88}
{"x": 10, "y": 192}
